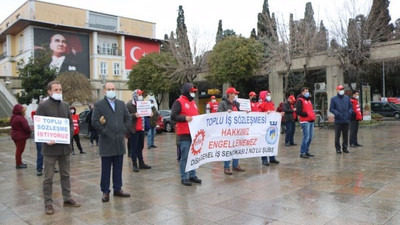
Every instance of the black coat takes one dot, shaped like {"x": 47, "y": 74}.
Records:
{"x": 288, "y": 117}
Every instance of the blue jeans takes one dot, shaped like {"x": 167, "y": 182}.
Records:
{"x": 184, "y": 146}
{"x": 290, "y": 129}
{"x": 235, "y": 163}
{"x": 308, "y": 133}
{"x": 150, "y": 136}
{"x": 39, "y": 157}
{"x": 116, "y": 163}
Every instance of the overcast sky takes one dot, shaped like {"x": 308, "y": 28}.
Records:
{"x": 201, "y": 17}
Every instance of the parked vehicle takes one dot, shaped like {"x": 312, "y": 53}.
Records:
{"x": 169, "y": 125}
{"x": 83, "y": 125}
{"x": 386, "y": 109}
{"x": 160, "y": 125}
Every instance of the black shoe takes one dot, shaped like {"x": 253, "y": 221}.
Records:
{"x": 338, "y": 152}
{"x": 106, "y": 197}
{"x": 304, "y": 156}
{"x": 55, "y": 170}
{"x": 293, "y": 144}
{"x": 144, "y": 166}
{"x": 274, "y": 161}
{"x": 195, "y": 180}
{"x": 309, "y": 154}
{"x": 82, "y": 152}
{"x": 346, "y": 151}
{"x": 153, "y": 146}
{"x": 265, "y": 163}
{"x": 148, "y": 147}
{"x": 22, "y": 166}
{"x": 186, "y": 182}
{"x": 122, "y": 194}
{"x": 39, "y": 173}
{"x": 73, "y": 153}
{"x": 353, "y": 146}
{"x": 135, "y": 167}
{"x": 358, "y": 145}
{"x": 287, "y": 144}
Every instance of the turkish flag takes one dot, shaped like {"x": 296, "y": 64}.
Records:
{"x": 136, "y": 49}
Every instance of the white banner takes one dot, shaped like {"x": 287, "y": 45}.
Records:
{"x": 51, "y": 129}
{"x": 224, "y": 136}
{"x": 244, "y": 104}
{"x": 143, "y": 108}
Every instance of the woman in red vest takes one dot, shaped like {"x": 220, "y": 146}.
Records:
{"x": 354, "y": 120}
{"x": 75, "y": 120}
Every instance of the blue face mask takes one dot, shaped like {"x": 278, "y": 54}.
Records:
{"x": 307, "y": 94}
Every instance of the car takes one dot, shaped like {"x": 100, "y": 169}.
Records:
{"x": 83, "y": 125}
{"x": 169, "y": 125}
{"x": 160, "y": 125}
{"x": 386, "y": 109}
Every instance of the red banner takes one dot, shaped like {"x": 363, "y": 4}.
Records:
{"x": 136, "y": 49}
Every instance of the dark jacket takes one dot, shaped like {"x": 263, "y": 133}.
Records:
{"x": 55, "y": 108}
{"x": 342, "y": 108}
{"x": 226, "y": 105}
{"x": 19, "y": 125}
{"x": 132, "y": 110}
{"x": 89, "y": 120}
{"x": 177, "y": 108}
{"x": 112, "y": 133}
{"x": 153, "y": 119}
{"x": 287, "y": 108}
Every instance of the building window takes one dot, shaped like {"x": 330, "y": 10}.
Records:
{"x": 106, "y": 48}
{"x": 103, "y": 21}
{"x": 103, "y": 68}
{"x": 116, "y": 70}
{"x": 21, "y": 44}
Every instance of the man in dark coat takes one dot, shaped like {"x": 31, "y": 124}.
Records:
{"x": 290, "y": 120}
{"x": 111, "y": 120}
{"x": 52, "y": 152}
{"x": 342, "y": 108}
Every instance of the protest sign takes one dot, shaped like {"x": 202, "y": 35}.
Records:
{"x": 51, "y": 129}
{"x": 244, "y": 104}
{"x": 143, "y": 108}
{"x": 224, "y": 136}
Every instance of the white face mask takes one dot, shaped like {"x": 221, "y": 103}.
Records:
{"x": 57, "y": 96}
{"x": 110, "y": 94}
{"x": 268, "y": 98}
{"x": 140, "y": 98}
{"x": 356, "y": 97}
{"x": 341, "y": 92}
{"x": 235, "y": 98}
{"x": 152, "y": 105}
{"x": 72, "y": 111}
{"x": 192, "y": 94}
{"x": 213, "y": 101}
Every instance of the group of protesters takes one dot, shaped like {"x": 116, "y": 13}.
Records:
{"x": 112, "y": 120}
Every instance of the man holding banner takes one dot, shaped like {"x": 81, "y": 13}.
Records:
{"x": 229, "y": 104}
{"x": 53, "y": 152}
{"x": 182, "y": 111}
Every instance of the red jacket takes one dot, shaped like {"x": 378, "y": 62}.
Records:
{"x": 356, "y": 109}
{"x": 188, "y": 108}
{"x": 19, "y": 125}
{"x": 75, "y": 120}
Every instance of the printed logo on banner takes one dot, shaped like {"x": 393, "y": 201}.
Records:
{"x": 187, "y": 105}
{"x": 66, "y": 121}
{"x": 37, "y": 119}
{"x": 198, "y": 142}
{"x": 272, "y": 133}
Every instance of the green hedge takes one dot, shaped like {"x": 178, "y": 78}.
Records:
{"x": 4, "y": 122}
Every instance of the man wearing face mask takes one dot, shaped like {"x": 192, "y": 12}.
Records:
{"x": 354, "y": 121}
{"x": 253, "y": 101}
{"x": 52, "y": 152}
{"x": 306, "y": 116}
{"x": 112, "y": 121}
{"x": 182, "y": 111}
{"x": 136, "y": 134}
{"x": 212, "y": 106}
{"x": 267, "y": 105}
{"x": 229, "y": 104}
{"x": 342, "y": 108}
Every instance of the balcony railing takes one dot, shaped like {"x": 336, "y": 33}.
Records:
{"x": 108, "y": 51}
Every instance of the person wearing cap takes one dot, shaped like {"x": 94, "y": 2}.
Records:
{"x": 290, "y": 120}
{"x": 75, "y": 120}
{"x": 182, "y": 112}
{"x": 229, "y": 104}
{"x": 354, "y": 120}
{"x": 267, "y": 105}
{"x": 136, "y": 132}
{"x": 306, "y": 115}
{"x": 212, "y": 106}
{"x": 342, "y": 108}
{"x": 253, "y": 101}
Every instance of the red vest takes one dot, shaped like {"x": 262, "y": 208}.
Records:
{"x": 139, "y": 124}
{"x": 356, "y": 109}
{"x": 213, "y": 106}
{"x": 254, "y": 106}
{"x": 188, "y": 108}
{"x": 308, "y": 108}
{"x": 75, "y": 120}
{"x": 267, "y": 106}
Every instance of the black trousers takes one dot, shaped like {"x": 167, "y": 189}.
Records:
{"x": 136, "y": 142}
{"x": 78, "y": 142}
{"x": 353, "y": 132}
{"x": 341, "y": 128}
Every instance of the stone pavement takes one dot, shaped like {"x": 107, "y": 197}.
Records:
{"x": 362, "y": 187}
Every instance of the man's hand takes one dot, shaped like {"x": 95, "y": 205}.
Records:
{"x": 151, "y": 115}
{"x": 189, "y": 118}
{"x": 229, "y": 111}
{"x": 52, "y": 142}
{"x": 282, "y": 113}
{"x": 137, "y": 115}
{"x": 102, "y": 120}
